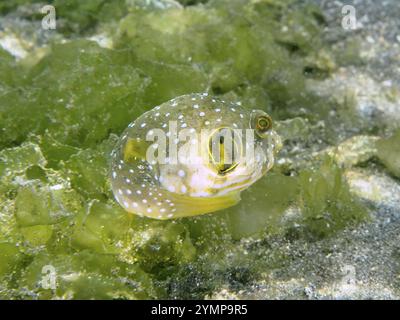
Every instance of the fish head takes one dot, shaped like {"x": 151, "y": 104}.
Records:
{"x": 221, "y": 148}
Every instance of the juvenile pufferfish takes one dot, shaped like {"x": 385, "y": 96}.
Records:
{"x": 173, "y": 189}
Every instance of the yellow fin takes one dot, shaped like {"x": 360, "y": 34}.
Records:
{"x": 187, "y": 206}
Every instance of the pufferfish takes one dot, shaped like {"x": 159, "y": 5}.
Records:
{"x": 191, "y": 155}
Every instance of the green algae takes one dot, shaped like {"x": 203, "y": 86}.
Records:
{"x": 60, "y": 118}
{"x": 86, "y": 275}
{"x": 389, "y": 153}
{"x": 36, "y": 204}
{"x": 326, "y": 202}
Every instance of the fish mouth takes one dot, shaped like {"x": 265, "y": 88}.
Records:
{"x": 225, "y": 169}
{"x": 237, "y": 186}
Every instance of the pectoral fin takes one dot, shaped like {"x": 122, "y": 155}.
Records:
{"x": 135, "y": 149}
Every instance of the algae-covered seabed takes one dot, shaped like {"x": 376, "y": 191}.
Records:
{"x": 323, "y": 224}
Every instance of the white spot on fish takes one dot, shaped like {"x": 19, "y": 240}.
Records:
{"x": 181, "y": 173}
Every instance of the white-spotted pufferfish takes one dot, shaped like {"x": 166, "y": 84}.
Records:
{"x": 216, "y": 135}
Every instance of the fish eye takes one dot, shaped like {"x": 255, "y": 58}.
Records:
{"x": 224, "y": 148}
{"x": 262, "y": 123}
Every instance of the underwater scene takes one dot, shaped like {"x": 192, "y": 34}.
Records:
{"x": 295, "y": 105}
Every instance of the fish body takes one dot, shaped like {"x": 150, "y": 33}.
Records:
{"x": 191, "y": 155}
